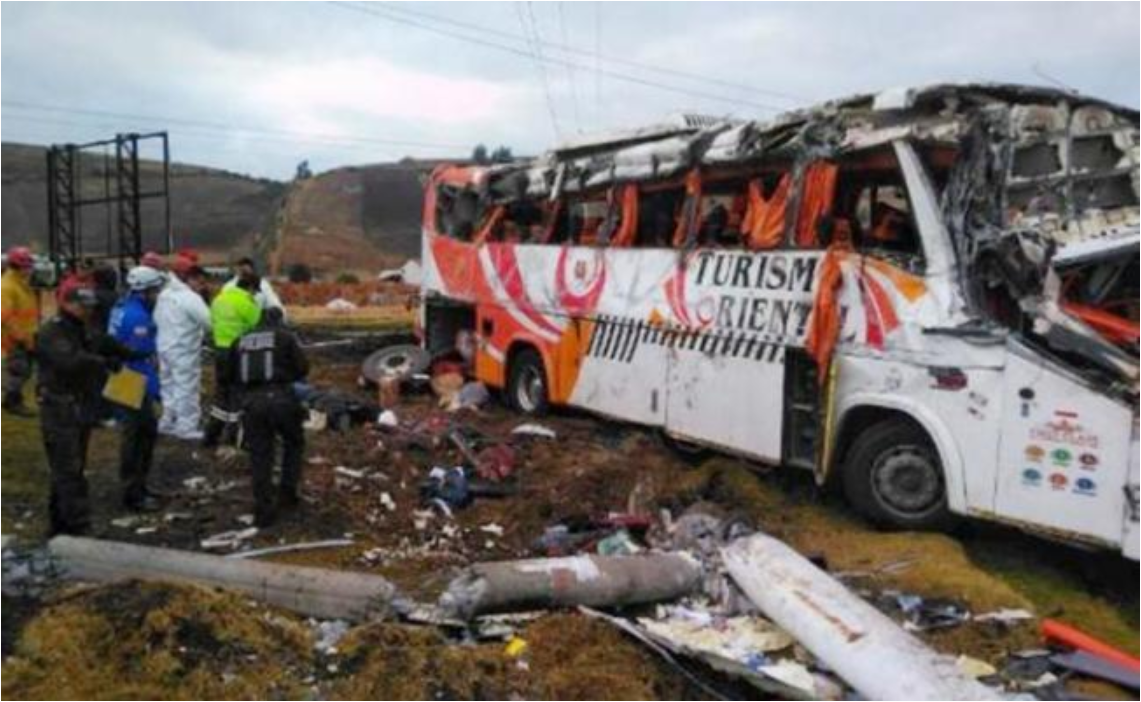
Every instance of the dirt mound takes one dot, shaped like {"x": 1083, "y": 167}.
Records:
{"x": 154, "y": 641}
{"x": 362, "y": 219}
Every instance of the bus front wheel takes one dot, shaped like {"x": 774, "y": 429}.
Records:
{"x": 893, "y": 476}
{"x": 527, "y": 383}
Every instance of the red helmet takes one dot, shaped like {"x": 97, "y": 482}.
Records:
{"x": 76, "y": 289}
{"x": 185, "y": 262}
{"x": 20, "y": 257}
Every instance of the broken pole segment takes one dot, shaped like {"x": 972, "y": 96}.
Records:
{"x": 313, "y": 592}
{"x": 590, "y": 581}
{"x": 854, "y": 639}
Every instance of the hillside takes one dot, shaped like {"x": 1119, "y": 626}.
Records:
{"x": 358, "y": 218}
{"x": 213, "y": 210}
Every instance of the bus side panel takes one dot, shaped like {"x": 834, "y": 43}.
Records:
{"x": 623, "y": 374}
{"x": 734, "y": 402}
{"x": 1065, "y": 453}
{"x": 961, "y": 418}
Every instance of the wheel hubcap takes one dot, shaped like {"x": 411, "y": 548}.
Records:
{"x": 530, "y": 393}
{"x": 907, "y": 480}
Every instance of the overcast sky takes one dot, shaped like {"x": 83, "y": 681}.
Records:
{"x": 257, "y": 87}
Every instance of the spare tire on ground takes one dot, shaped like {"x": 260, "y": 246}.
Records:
{"x": 400, "y": 361}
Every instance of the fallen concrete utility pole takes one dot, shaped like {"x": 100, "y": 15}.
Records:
{"x": 858, "y": 642}
{"x": 590, "y": 581}
{"x": 314, "y": 592}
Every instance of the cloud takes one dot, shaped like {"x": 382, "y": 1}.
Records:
{"x": 367, "y": 87}
{"x": 323, "y": 70}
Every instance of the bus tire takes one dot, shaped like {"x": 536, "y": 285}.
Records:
{"x": 527, "y": 383}
{"x": 893, "y": 476}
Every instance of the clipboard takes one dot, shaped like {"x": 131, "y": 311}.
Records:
{"x": 127, "y": 388}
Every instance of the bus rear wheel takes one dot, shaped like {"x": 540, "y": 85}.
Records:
{"x": 527, "y": 383}
{"x": 893, "y": 476}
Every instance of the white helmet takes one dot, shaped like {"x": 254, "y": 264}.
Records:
{"x": 142, "y": 278}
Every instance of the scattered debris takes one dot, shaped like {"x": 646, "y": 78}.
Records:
{"x": 1093, "y": 665}
{"x": 846, "y": 633}
{"x": 388, "y": 419}
{"x": 340, "y": 305}
{"x": 400, "y": 361}
{"x": 1004, "y": 616}
{"x": 228, "y": 539}
{"x": 328, "y": 633}
{"x": 292, "y": 548}
{"x": 534, "y": 430}
{"x": 926, "y": 614}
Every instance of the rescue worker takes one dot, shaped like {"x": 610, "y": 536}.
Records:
{"x": 106, "y": 282}
{"x": 132, "y": 325}
{"x": 74, "y": 361}
{"x": 182, "y": 318}
{"x": 265, "y": 295}
{"x": 20, "y": 318}
{"x": 234, "y": 312}
{"x": 264, "y": 364}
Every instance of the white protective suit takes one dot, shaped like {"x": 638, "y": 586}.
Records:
{"x": 183, "y": 319}
{"x": 266, "y": 296}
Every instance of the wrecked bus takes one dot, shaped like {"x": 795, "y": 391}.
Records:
{"x": 928, "y": 297}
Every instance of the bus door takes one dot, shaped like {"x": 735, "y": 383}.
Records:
{"x": 1064, "y": 454}
{"x": 727, "y": 392}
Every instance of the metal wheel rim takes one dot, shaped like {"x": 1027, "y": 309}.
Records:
{"x": 530, "y": 390}
{"x": 907, "y": 481}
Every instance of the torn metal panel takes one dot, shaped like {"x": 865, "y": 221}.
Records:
{"x": 847, "y": 634}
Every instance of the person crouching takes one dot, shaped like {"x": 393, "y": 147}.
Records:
{"x": 263, "y": 366}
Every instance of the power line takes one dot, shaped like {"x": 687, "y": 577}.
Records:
{"x": 609, "y": 58}
{"x": 527, "y": 24}
{"x": 228, "y": 128}
{"x": 570, "y": 69}
{"x": 374, "y": 12}
{"x": 213, "y": 134}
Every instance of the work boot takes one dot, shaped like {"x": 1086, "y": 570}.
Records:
{"x": 264, "y": 518}
{"x": 288, "y": 501}
{"x": 145, "y": 503}
{"x": 72, "y": 527}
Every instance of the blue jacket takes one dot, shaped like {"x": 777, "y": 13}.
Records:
{"x": 133, "y": 326}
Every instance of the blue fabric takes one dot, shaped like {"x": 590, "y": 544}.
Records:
{"x": 133, "y": 326}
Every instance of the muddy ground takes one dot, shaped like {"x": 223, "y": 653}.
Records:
{"x": 147, "y": 640}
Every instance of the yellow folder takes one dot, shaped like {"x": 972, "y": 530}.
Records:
{"x": 126, "y": 388}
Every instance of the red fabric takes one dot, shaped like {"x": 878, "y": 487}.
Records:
{"x": 817, "y": 194}
{"x": 764, "y": 218}
{"x": 1114, "y": 327}
{"x": 824, "y": 325}
{"x": 628, "y": 229}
